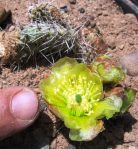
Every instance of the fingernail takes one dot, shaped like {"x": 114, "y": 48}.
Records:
{"x": 24, "y": 105}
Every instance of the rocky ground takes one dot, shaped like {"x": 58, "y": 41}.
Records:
{"x": 120, "y": 32}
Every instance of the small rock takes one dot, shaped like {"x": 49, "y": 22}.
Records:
{"x": 72, "y": 1}
{"x": 131, "y": 16}
{"x": 64, "y": 9}
{"x": 37, "y": 90}
{"x": 123, "y": 21}
{"x": 99, "y": 13}
{"x": 118, "y": 147}
{"x": 91, "y": 18}
{"x": 93, "y": 24}
{"x": 133, "y": 147}
{"x": 105, "y": 13}
{"x": 45, "y": 147}
{"x": 2, "y": 50}
{"x": 12, "y": 28}
{"x": 112, "y": 44}
{"x": 70, "y": 146}
{"x": 130, "y": 63}
{"x": 121, "y": 47}
{"x": 88, "y": 23}
{"x": 53, "y": 144}
{"x": 81, "y": 10}
{"x": 60, "y": 3}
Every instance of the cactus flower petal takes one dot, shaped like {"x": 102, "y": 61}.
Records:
{"x": 74, "y": 93}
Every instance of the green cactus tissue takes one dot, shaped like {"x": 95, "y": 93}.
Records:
{"x": 74, "y": 92}
{"x": 45, "y": 37}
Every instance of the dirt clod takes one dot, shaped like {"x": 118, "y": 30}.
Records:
{"x": 130, "y": 63}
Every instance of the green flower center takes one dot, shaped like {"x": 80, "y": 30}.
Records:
{"x": 78, "y": 98}
{"x": 80, "y": 92}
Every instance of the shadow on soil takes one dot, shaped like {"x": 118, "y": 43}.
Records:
{"x": 111, "y": 137}
{"x": 41, "y": 134}
{"x": 38, "y": 61}
{"x": 35, "y": 137}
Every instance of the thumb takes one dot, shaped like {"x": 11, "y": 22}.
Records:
{"x": 18, "y": 109}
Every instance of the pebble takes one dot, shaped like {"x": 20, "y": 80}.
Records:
{"x": 53, "y": 144}
{"x": 105, "y": 13}
{"x": 45, "y": 147}
{"x": 130, "y": 63}
{"x": 130, "y": 16}
{"x": 81, "y": 10}
{"x": 111, "y": 43}
{"x": 133, "y": 147}
{"x": 62, "y": 4}
{"x": 99, "y": 13}
{"x": 92, "y": 18}
{"x": 72, "y": 1}
{"x": 12, "y": 28}
{"x": 121, "y": 47}
{"x": 64, "y": 8}
{"x": 88, "y": 23}
{"x": 93, "y": 24}
{"x": 70, "y": 146}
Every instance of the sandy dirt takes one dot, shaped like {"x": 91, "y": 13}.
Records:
{"x": 120, "y": 32}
